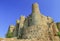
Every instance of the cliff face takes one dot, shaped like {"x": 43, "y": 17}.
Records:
{"x": 36, "y": 26}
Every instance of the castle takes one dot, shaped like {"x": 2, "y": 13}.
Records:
{"x": 35, "y": 26}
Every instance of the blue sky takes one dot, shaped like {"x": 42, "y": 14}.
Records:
{"x": 11, "y": 10}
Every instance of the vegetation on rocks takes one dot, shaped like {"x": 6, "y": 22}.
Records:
{"x": 9, "y": 34}
{"x": 59, "y": 34}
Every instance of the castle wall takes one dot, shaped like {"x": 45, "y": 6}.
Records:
{"x": 36, "y": 32}
{"x": 21, "y": 25}
{"x": 36, "y": 17}
{"x": 11, "y": 28}
{"x": 28, "y": 21}
{"x": 16, "y": 28}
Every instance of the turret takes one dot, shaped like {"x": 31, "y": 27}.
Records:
{"x": 22, "y": 18}
{"x": 21, "y": 25}
{"x": 35, "y": 8}
{"x": 58, "y": 25}
{"x": 11, "y": 28}
{"x": 36, "y": 16}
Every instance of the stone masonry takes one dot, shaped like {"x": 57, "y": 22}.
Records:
{"x": 35, "y": 26}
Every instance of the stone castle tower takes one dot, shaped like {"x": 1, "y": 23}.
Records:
{"x": 36, "y": 26}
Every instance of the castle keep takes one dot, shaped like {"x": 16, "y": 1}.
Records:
{"x": 35, "y": 26}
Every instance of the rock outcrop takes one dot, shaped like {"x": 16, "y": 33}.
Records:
{"x": 36, "y": 26}
{"x": 58, "y": 25}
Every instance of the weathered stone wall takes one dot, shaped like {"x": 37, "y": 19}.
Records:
{"x": 28, "y": 21}
{"x": 53, "y": 32}
{"x": 21, "y": 25}
{"x": 11, "y": 28}
{"x": 41, "y": 32}
{"x": 16, "y": 28}
{"x": 35, "y": 31}
{"x": 36, "y": 16}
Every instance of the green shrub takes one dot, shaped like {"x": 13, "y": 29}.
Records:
{"x": 59, "y": 34}
{"x": 9, "y": 35}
